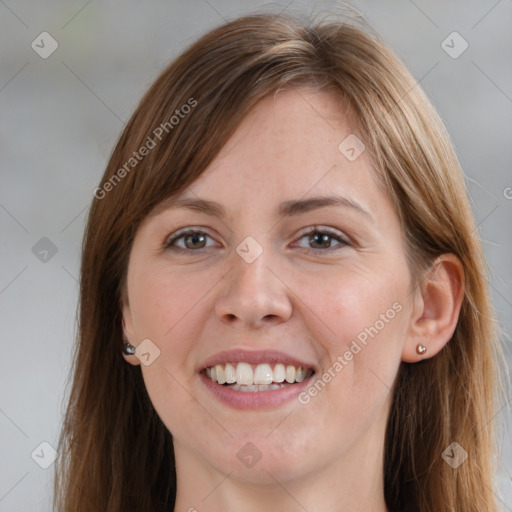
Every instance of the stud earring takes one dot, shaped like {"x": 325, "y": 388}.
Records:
{"x": 420, "y": 349}
{"x": 128, "y": 349}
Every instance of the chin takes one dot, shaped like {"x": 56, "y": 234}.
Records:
{"x": 260, "y": 459}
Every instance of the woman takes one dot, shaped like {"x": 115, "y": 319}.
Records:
{"x": 283, "y": 295}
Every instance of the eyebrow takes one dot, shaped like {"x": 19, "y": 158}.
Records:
{"x": 286, "y": 209}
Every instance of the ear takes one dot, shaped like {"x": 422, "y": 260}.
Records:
{"x": 437, "y": 302}
{"x": 128, "y": 329}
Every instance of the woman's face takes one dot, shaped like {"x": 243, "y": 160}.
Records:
{"x": 281, "y": 279}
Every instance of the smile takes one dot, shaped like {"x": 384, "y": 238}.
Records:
{"x": 245, "y": 377}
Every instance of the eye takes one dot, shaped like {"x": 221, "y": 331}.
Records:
{"x": 192, "y": 239}
{"x": 322, "y": 238}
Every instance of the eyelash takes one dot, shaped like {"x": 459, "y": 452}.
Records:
{"x": 170, "y": 242}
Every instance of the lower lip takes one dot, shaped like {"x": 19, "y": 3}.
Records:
{"x": 256, "y": 399}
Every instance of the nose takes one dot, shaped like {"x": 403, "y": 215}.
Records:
{"x": 253, "y": 295}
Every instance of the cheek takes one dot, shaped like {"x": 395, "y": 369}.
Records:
{"x": 168, "y": 308}
{"x": 349, "y": 302}
{"x": 360, "y": 323}
{"x": 163, "y": 301}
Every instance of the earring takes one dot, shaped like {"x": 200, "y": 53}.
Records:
{"x": 128, "y": 349}
{"x": 420, "y": 349}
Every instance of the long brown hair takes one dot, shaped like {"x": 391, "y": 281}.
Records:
{"x": 115, "y": 454}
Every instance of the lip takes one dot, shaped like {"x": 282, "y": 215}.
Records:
{"x": 254, "y": 400}
{"x": 258, "y": 399}
{"x": 254, "y": 357}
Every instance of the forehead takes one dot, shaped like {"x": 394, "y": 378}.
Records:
{"x": 288, "y": 151}
{"x": 294, "y": 127}
{"x": 288, "y": 146}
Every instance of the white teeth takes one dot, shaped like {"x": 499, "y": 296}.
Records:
{"x": 221, "y": 378}
{"x": 290, "y": 374}
{"x": 263, "y": 374}
{"x": 256, "y": 387}
{"x": 279, "y": 373}
{"x": 230, "y": 374}
{"x": 262, "y": 378}
{"x": 300, "y": 375}
{"x": 244, "y": 374}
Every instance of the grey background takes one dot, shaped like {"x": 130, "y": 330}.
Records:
{"x": 61, "y": 116}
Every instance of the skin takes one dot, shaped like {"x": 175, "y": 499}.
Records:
{"x": 328, "y": 453}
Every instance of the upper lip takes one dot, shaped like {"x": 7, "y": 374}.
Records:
{"x": 254, "y": 357}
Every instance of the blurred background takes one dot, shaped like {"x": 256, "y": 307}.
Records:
{"x": 71, "y": 74}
